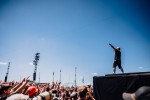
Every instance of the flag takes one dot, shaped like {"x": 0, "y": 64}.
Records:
{"x": 75, "y": 81}
{"x": 83, "y": 80}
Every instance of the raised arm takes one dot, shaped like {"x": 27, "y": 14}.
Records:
{"x": 112, "y": 46}
{"x": 22, "y": 86}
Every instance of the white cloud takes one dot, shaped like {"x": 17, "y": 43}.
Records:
{"x": 140, "y": 67}
{"x": 31, "y": 63}
{"x": 3, "y": 63}
{"x": 94, "y": 74}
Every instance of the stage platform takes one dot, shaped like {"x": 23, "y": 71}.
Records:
{"x": 111, "y": 86}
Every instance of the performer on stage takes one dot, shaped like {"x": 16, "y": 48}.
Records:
{"x": 117, "y": 59}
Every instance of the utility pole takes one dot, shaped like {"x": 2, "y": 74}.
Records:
{"x": 35, "y": 63}
{"x": 53, "y": 76}
{"x": 6, "y": 77}
{"x": 60, "y": 75}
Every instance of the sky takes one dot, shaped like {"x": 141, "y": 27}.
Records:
{"x": 73, "y": 33}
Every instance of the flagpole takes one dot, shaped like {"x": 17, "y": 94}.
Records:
{"x": 53, "y": 76}
{"x": 83, "y": 80}
{"x": 60, "y": 75}
{"x": 75, "y": 77}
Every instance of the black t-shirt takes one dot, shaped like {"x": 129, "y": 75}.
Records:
{"x": 67, "y": 96}
{"x": 117, "y": 55}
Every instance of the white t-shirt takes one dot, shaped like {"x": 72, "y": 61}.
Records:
{"x": 18, "y": 97}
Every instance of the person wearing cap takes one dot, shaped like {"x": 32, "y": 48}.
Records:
{"x": 88, "y": 87}
{"x": 32, "y": 91}
{"x": 117, "y": 59}
{"x": 143, "y": 93}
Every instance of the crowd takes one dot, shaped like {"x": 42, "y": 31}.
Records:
{"x": 27, "y": 90}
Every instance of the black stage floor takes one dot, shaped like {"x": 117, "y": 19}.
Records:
{"x": 111, "y": 86}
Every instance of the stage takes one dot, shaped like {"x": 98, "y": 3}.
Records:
{"x": 111, "y": 86}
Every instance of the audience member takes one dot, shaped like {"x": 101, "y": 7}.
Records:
{"x": 143, "y": 93}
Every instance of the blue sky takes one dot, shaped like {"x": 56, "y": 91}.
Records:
{"x": 73, "y": 33}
